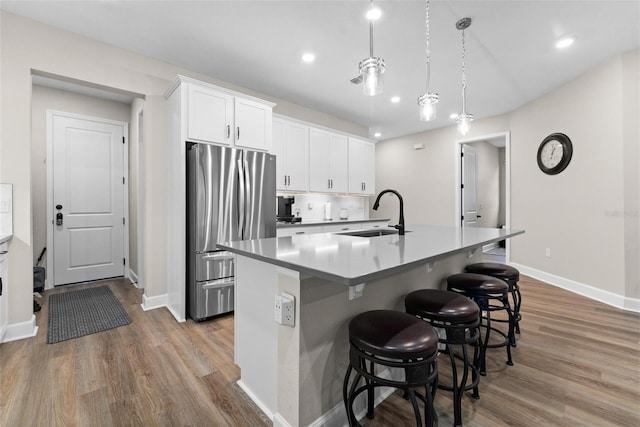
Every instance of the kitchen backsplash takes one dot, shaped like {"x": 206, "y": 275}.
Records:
{"x": 311, "y": 207}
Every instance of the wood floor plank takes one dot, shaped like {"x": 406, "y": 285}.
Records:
{"x": 577, "y": 363}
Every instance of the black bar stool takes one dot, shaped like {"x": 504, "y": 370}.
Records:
{"x": 508, "y": 274}
{"x": 397, "y": 340}
{"x": 459, "y": 317}
{"x": 491, "y": 295}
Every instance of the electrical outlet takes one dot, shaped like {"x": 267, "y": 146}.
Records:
{"x": 547, "y": 252}
{"x": 288, "y": 309}
{"x": 284, "y": 309}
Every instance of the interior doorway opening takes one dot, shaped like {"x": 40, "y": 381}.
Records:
{"x": 485, "y": 197}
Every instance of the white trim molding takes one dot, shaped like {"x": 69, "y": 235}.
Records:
{"x": 133, "y": 278}
{"x": 22, "y": 330}
{"x": 259, "y": 403}
{"x": 151, "y": 303}
{"x": 609, "y": 298}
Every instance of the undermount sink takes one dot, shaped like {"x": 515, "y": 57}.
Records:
{"x": 370, "y": 233}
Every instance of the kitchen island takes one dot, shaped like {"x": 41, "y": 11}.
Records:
{"x": 295, "y": 373}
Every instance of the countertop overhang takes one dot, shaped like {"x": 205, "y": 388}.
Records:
{"x": 327, "y": 222}
{"x": 351, "y": 260}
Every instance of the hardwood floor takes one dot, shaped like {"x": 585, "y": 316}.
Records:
{"x": 577, "y": 363}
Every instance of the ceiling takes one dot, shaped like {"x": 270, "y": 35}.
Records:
{"x": 511, "y": 58}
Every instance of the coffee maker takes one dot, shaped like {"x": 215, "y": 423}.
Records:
{"x": 284, "y": 209}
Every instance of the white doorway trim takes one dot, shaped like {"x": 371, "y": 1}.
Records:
{"x": 50, "y": 210}
{"x": 458, "y": 180}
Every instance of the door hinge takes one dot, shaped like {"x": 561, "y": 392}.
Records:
{"x": 123, "y": 139}
{"x": 461, "y": 185}
{"x": 123, "y": 221}
{"x": 124, "y": 262}
{"x": 461, "y": 154}
{"x": 123, "y": 180}
{"x": 462, "y": 218}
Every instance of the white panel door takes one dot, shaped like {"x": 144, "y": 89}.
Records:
{"x": 88, "y": 199}
{"x": 4, "y": 308}
{"x": 469, "y": 187}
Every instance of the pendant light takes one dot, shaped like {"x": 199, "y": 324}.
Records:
{"x": 464, "y": 118}
{"x": 372, "y": 68}
{"x": 428, "y": 100}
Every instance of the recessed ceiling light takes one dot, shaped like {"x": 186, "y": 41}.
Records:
{"x": 374, "y": 13}
{"x": 453, "y": 115}
{"x": 377, "y": 134}
{"x": 395, "y": 99}
{"x": 566, "y": 42}
{"x": 308, "y": 57}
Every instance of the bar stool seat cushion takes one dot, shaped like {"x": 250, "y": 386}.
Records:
{"x": 441, "y": 305}
{"x": 393, "y": 334}
{"x": 479, "y": 284}
{"x": 501, "y": 271}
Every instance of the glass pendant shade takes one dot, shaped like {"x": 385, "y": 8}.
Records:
{"x": 463, "y": 122}
{"x": 427, "y": 103}
{"x": 372, "y": 70}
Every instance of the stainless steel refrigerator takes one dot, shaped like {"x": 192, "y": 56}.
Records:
{"x": 231, "y": 195}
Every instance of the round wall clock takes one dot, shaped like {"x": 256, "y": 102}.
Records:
{"x": 554, "y": 153}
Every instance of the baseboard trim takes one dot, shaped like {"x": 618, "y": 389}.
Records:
{"x": 279, "y": 421}
{"x": 133, "y": 278}
{"x": 259, "y": 403}
{"x": 22, "y": 330}
{"x": 175, "y": 315}
{"x": 609, "y": 298}
{"x": 151, "y": 303}
{"x": 337, "y": 416}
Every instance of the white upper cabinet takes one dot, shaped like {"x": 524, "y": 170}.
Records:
{"x": 209, "y": 115}
{"x": 362, "y": 159}
{"x": 291, "y": 147}
{"x": 253, "y": 124}
{"x": 222, "y": 117}
{"x": 327, "y": 161}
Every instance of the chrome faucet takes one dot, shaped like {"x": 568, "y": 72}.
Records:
{"x": 400, "y": 226}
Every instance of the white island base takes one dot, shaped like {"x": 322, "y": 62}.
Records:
{"x": 295, "y": 374}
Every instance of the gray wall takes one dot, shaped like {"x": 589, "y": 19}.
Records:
{"x": 587, "y": 215}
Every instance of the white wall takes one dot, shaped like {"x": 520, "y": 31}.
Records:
{"x": 42, "y": 99}
{"x": 27, "y": 45}
{"x": 587, "y": 215}
{"x": 425, "y": 177}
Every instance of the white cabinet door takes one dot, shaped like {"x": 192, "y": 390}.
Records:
{"x": 4, "y": 315}
{"x": 362, "y": 165}
{"x": 210, "y": 115}
{"x": 291, "y": 147}
{"x": 338, "y": 163}
{"x": 252, "y": 125}
{"x": 319, "y": 160}
{"x": 337, "y": 228}
{"x": 297, "y": 231}
{"x": 328, "y": 154}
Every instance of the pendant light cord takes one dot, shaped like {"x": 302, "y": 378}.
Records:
{"x": 428, "y": 48}
{"x": 464, "y": 80}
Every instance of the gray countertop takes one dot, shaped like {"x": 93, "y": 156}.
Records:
{"x": 353, "y": 260}
{"x": 338, "y": 221}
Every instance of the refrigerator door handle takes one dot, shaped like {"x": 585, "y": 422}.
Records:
{"x": 242, "y": 197}
{"x": 247, "y": 202}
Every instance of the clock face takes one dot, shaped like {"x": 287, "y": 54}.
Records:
{"x": 551, "y": 154}
{"x": 554, "y": 153}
